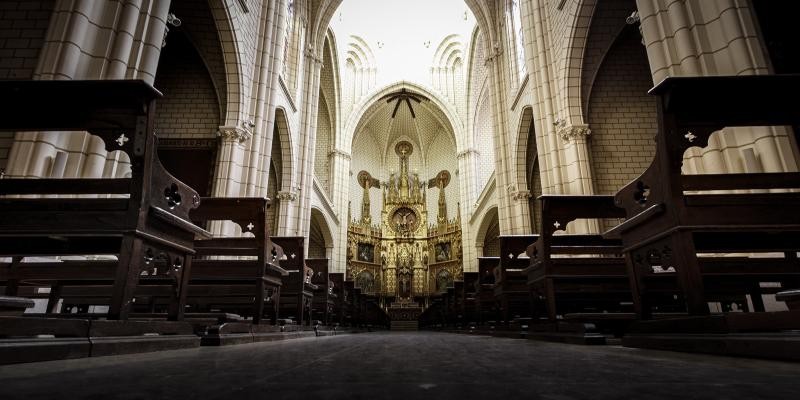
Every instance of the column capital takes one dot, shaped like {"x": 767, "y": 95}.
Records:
{"x": 310, "y": 53}
{"x": 495, "y": 52}
{"x": 572, "y": 132}
{"x": 286, "y": 196}
{"x": 521, "y": 195}
{"x": 239, "y": 133}
{"x": 340, "y": 153}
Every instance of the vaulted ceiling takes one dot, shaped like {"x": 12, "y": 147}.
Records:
{"x": 396, "y": 116}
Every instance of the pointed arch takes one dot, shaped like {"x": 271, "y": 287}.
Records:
{"x": 448, "y": 117}
{"x": 320, "y": 238}
{"x": 488, "y": 233}
{"x": 236, "y": 87}
{"x": 580, "y": 21}
{"x": 286, "y": 149}
{"x": 528, "y": 174}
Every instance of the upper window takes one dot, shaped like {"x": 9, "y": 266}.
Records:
{"x": 287, "y": 49}
{"x": 518, "y": 40}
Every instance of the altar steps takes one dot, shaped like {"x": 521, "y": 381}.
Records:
{"x": 405, "y": 326}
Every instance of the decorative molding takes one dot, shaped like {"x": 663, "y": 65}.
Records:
{"x": 521, "y": 195}
{"x": 240, "y": 134}
{"x": 485, "y": 200}
{"x": 573, "y": 132}
{"x": 286, "y": 93}
{"x": 326, "y": 202}
{"x": 312, "y": 55}
{"x": 520, "y": 90}
{"x": 497, "y": 51}
{"x": 340, "y": 153}
{"x": 286, "y": 196}
{"x": 175, "y": 143}
{"x": 467, "y": 152}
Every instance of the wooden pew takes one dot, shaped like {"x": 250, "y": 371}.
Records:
{"x": 297, "y": 291}
{"x": 142, "y": 220}
{"x": 349, "y": 307}
{"x": 510, "y": 287}
{"x": 457, "y": 311}
{"x": 375, "y": 317}
{"x": 671, "y": 217}
{"x": 325, "y": 297}
{"x": 578, "y": 282}
{"x": 244, "y": 271}
{"x": 470, "y": 300}
{"x": 341, "y": 304}
{"x": 238, "y": 275}
{"x": 356, "y": 306}
{"x": 487, "y": 308}
{"x": 139, "y": 219}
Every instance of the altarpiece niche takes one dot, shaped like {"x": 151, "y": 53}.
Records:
{"x": 413, "y": 259}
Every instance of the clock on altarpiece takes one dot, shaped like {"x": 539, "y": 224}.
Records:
{"x": 404, "y": 220}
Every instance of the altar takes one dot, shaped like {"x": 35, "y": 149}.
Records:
{"x": 404, "y": 259}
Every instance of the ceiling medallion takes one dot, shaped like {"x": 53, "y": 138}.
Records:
{"x": 401, "y": 96}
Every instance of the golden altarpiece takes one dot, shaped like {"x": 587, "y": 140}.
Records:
{"x": 401, "y": 259}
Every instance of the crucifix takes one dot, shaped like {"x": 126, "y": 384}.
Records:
{"x": 441, "y": 180}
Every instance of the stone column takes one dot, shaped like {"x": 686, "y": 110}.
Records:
{"x": 340, "y": 163}
{"x": 87, "y": 39}
{"x": 538, "y": 60}
{"x": 259, "y": 151}
{"x": 287, "y": 210}
{"x": 230, "y": 160}
{"x": 729, "y": 46}
{"x": 308, "y": 134}
{"x": 576, "y": 151}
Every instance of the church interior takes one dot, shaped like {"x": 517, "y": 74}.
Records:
{"x": 384, "y": 199}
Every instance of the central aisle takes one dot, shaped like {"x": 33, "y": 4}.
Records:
{"x": 403, "y": 366}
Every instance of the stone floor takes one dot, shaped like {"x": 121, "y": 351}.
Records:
{"x": 404, "y": 366}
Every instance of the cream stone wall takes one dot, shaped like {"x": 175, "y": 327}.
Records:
{"x": 190, "y": 108}
{"x": 290, "y": 117}
{"x": 23, "y": 25}
{"x": 622, "y": 115}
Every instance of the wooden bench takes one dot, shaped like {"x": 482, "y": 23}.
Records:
{"x": 14, "y": 306}
{"x": 297, "y": 291}
{"x": 487, "y": 308}
{"x": 790, "y": 297}
{"x": 238, "y": 275}
{"x": 325, "y": 297}
{"x": 142, "y": 220}
{"x": 579, "y": 282}
{"x": 374, "y": 316}
{"x": 241, "y": 275}
{"x": 341, "y": 303}
{"x": 470, "y": 299}
{"x": 457, "y": 308}
{"x": 510, "y": 283}
{"x": 671, "y": 217}
{"x": 574, "y": 273}
{"x": 348, "y": 303}
{"x": 355, "y": 300}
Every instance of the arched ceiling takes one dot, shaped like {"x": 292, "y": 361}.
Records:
{"x": 386, "y": 122}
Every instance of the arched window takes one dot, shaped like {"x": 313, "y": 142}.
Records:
{"x": 288, "y": 40}
{"x": 517, "y": 38}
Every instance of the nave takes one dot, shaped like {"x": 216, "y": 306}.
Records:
{"x": 404, "y": 366}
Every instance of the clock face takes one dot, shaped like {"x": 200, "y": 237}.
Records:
{"x": 404, "y": 219}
